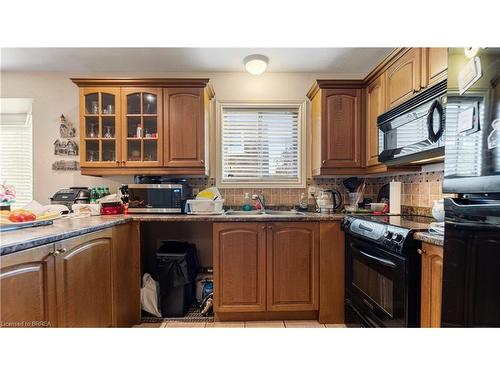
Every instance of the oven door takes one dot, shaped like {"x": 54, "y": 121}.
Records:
{"x": 375, "y": 283}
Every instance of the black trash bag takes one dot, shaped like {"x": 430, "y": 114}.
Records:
{"x": 177, "y": 267}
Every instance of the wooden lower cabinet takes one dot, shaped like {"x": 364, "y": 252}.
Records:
{"x": 27, "y": 288}
{"x": 431, "y": 287}
{"x": 239, "y": 251}
{"x": 292, "y": 266}
{"x": 266, "y": 267}
{"x": 91, "y": 280}
{"x": 84, "y": 281}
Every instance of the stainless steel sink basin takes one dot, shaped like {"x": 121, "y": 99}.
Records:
{"x": 244, "y": 213}
{"x": 266, "y": 212}
{"x": 284, "y": 213}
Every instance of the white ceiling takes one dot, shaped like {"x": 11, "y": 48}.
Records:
{"x": 355, "y": 61}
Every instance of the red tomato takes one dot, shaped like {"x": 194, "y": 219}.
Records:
{"x": 29, "y": 217}
{"x": 16, "y": 217}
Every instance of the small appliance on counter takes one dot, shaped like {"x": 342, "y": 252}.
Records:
{"x": 328, "y": 201}
{"x": 111, "y": 205}
{"x": 73, "y": 195}
{"x": 155, "y": 194}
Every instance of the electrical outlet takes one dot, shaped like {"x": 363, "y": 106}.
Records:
{"x": 311, "y": 191}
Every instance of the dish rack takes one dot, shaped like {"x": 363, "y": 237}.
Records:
{"x": 204, "y": 206}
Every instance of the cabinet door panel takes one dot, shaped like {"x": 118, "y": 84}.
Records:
{"x": 403, "y": 77}
{"x": 375, "y": 106}
{"x": 341, "y": 134}
{"x": 184, "y": 127}
{"x": 84, "y": 281}
{"x": 142, "y": 127}
{"x": 432, "y": 280}
{"x": 239, "y": 267}
{"x": 292, "y": 267}
{"x": 435, "y": 65}
{"x": 100, "y": 129}
{"x": 27, "y": 288}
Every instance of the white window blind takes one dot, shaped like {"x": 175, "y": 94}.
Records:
{"x": 16, "y": 155}
{"x": 260, "y": 145}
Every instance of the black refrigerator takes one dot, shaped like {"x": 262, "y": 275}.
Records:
{"x": 471, "y": 264}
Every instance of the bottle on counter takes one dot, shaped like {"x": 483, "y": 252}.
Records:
{"x": 93, "y": 195}
{"x": 303, "y": 202}
{"x": 247, "y": 203}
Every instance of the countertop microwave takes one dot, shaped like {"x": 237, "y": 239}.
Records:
{"x": 155, "y": 198}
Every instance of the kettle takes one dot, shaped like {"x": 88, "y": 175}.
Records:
{"x": 328, "y": 201}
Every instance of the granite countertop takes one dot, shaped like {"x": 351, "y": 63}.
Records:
{"x": 63, "y": 228}
{"x": 432, "y": 238}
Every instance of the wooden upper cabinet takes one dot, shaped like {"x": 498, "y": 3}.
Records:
{"x": 292, "y": 266}
{"x": 336, "y": 128}
{"x": 84, "y": 281}
{"x": 144, "y": 125}
{"x": 375, "y": 106}
{"x": 142, "y": 122}
{"x": 403, "y": 77}
{"x": 184, "y": 128}
{"x": 434, "y": 65}
{"x": 100, "y": 132}
{"x": 431, "y": 287}
{"x": 239, "y": 253}
{"x": 27, "y": 288}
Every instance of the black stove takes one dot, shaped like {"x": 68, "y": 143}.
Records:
{"x": 383, "y": 269}
{"x": 394, "y": 232}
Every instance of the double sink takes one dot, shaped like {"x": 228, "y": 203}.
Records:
{"x": 265, "y": 212}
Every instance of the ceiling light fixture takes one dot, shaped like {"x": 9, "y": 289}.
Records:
{"x": 256, "y": 64}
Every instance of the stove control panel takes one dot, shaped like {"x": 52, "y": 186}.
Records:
{"x": 391, "y": 237}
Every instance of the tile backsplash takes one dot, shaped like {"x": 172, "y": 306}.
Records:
{"x": 419, "y": 190}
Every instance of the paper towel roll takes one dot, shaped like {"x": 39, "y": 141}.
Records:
{"x": 395, "y": 197}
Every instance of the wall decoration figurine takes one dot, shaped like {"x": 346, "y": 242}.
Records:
{"x": 66, "y": 165}
{"x": 66, "y": 128}
{"x": 65, "y": 148}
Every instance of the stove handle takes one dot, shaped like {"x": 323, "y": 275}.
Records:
{"x": 385, "y": 262}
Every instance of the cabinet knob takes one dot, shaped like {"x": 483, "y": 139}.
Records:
{"x": 420, "y": 251}
{"x": 63, "y": 250}
{"x": 323, "y": 161}
{"x": 55, "y": 252}
{"x": 202, "y": 161}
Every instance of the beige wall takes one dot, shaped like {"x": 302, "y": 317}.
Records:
{"x": 54, "y": 93}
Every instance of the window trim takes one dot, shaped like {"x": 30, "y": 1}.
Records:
{"x": 299, "y": 105}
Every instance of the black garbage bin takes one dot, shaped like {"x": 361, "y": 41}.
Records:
{"x": 177, "y": 267}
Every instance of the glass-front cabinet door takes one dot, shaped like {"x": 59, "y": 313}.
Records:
{"x": 142, "y": 127}
{"x": 100, "y": 128}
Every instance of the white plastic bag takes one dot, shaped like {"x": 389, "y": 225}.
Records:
{"x": 149, "y": 295}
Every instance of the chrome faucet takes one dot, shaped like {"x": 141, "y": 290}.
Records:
{"x": 260, "y": 199}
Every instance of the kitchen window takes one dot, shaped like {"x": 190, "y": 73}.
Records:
{"x": 260, "y": 144}
{"x": 16, "y": 148}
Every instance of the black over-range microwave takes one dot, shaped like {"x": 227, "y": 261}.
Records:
{"x": 413, "y": 132}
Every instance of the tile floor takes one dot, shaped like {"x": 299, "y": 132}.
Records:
{"x": 246, "y": 324}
